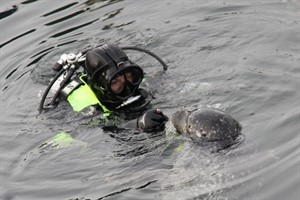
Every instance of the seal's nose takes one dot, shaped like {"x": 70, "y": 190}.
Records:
{"x": 179, "y": 120}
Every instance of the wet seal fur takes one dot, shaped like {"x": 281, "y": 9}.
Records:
{"x": 207, "y": 125}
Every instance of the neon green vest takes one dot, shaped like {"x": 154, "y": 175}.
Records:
{"x": 83, "y": 97}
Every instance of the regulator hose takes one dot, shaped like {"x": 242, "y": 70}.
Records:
{"x": 41, "y": 107}
{"x": 62, "y": 84}
{"x": 165, "y": 66}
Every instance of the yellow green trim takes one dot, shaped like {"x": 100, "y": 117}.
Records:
{"x": 83, "y": 97}
{"x": 62, "y": 140}
{"x": 62, "y": 137}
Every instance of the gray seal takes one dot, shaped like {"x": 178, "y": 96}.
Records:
{"x": 206, "y": 125}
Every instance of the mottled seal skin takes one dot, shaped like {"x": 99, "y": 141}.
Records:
{"x": 206, "y": 125}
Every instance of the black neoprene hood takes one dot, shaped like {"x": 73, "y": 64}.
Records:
{"x": 103, "y": 64}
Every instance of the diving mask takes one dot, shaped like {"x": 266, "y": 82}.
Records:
{"x": 121, "y": 82}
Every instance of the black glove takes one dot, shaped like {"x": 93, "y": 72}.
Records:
{"x": 151, "y": 120}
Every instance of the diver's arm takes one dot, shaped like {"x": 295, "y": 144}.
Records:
{"x": 151, "y": 120}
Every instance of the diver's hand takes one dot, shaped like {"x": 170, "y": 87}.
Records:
{"x": 151, "y": 120}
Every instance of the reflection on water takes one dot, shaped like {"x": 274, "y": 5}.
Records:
{"x": 241, "y": 57}
{"x": 107, "y": 2}
{"x": 61, "y": 9}
{"x": 8, "y": 12}
{"x": 28, "y": 1}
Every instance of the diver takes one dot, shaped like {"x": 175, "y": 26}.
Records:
{"x": 104, "y": 81}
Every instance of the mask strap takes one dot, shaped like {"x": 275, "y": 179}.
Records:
{"x": 114, "y": 58}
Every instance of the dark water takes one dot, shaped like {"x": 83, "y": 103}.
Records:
{"x": 240, "y": 56}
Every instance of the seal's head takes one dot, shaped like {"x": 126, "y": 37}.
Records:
{"x": 206, "y": 124}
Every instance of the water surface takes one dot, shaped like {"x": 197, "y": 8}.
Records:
{"x": 240, "y": 56}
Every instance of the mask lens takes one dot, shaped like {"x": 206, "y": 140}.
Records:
{"x": 134, "y": 76}
{"x": 129, "y": 77}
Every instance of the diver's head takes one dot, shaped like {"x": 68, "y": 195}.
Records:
{"x": 111, "y": 72}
